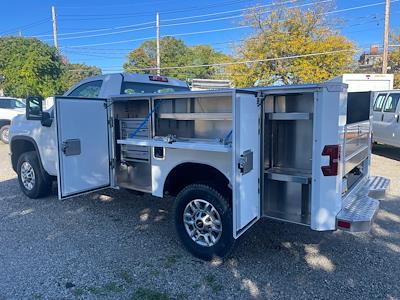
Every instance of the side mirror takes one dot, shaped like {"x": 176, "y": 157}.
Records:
{"x": 34, "y": 108}
{"x": 46, "y": 119}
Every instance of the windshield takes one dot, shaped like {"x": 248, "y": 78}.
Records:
{"x": 142, "y": 88}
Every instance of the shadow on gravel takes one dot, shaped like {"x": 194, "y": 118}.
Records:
{"x": 386, "y": 151}
{"x": 117, "y": 244}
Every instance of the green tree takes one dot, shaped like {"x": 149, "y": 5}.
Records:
{"x": 29, "y": 67}
{"x": 290, "y": 32}
{"x": 394, "y": 60}
{"x": 173, "y": 52}
{"x": 73, "y": 73}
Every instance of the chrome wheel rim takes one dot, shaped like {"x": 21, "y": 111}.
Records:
{"x": 202, "y": 222}
{"x": 27, "y": 175}
{"x": 4, "y": 135}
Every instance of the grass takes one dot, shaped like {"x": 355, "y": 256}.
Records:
{"x": 126, "y": 276}
{"x": 106, "y": 289}
{"x": 212, "y": 282}
{"x": 170, "y": 261}
{"x": 78, "y": 292}
{"x": 148, "y": 294}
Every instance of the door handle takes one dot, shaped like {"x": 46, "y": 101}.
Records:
{"x": 397, "y": 118}
{"x": 383, "y": 115}
{"x": 71, "y": 147}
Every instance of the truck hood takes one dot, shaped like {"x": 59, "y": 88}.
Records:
{"x": 11, "y": 113}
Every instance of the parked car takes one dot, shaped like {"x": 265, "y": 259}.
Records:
{"x": 9, "y": 108}
{"x": 386, "y": 115}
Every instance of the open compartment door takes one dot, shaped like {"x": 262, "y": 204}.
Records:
{"x": 83, "y": 145}
{"x": 246, "y": 162}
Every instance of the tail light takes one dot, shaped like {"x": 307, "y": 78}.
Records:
{"x": 333, "y": 151}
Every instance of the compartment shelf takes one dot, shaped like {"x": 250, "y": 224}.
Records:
{"x": 196, "y": 116}
{"x": 184, "y": 144}
{"x": 283, "y": 116}
{"x": 289, "y": 175}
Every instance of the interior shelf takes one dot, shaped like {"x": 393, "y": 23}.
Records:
{"x": 289, "y": 175}
{"x": 196, "y": 116}
{"x": 179, "y": 144}
{"x": 289, "y": 116}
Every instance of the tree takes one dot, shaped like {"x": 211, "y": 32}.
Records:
{"x": 29, "y": 67}
{"x": 174, "y": 52}
{"x": 394, "y": 60}
{"x": 73, "y": 73}
{"x": 281, "y": 43}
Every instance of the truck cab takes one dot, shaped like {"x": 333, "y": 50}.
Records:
{"x": 34, "y": 140}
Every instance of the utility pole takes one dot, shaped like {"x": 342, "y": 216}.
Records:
{"x": 19, "y": 33}
{"x": 158, "y": 44}
{"x": 386, "y": 39}
{"x": 53, "y": 16}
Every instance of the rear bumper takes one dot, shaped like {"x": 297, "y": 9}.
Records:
{"x": 360, "y": 208}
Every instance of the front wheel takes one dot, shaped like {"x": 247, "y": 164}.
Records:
{"x": 4, "y": 134}
{"x": 34, "y": 181}
{"x": 203, "y": 220}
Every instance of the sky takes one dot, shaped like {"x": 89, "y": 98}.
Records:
{"x": 102, "y": 32}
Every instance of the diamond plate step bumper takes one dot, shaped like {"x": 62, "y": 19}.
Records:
{"x": 359, "y": 209}
{"x": 378, "y": 186}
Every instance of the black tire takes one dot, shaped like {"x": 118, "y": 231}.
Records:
{"x": 4, "y": 134}
{"x": 225, "y": 243}
{"x": 42, "y": 184}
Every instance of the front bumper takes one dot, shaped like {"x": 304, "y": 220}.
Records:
{"x": 360, "y": 208}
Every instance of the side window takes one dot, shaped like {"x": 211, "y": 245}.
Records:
{"x": 88, "y": 89}
{"x": 379, "y": 102}
{"x": 16, "y": 104}
{"x": 391, "y": 103}
{"x": 4, "y": 104}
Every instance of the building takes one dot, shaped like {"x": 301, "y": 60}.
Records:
{"x": 369, "y": 61}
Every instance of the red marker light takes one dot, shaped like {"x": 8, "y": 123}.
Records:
{"x": 158, "y": 78}
{"x": 343, "y": 224}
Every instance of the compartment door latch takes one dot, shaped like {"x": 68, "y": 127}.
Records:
{"x": 246, "y": 162}
{"x": 71, "y": 147}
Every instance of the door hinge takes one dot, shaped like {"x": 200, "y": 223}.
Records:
{"x": 246, "y": 162}
{"x": 112, "y": 163}
{"x": 110, "y": 122}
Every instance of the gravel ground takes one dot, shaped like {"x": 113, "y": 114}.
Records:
{"x": 115, "y": 244}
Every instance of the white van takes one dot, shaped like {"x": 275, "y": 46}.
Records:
{"x": 386, "y": 115}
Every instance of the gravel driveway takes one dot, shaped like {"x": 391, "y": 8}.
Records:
{"x": 116, "y": 244}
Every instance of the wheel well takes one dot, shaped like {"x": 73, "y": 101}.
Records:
{"x": 19, "y": 147}
{"x": 188, "y": 173}
{"x": 4, "y": 122}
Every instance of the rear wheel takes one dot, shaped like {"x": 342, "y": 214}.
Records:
{"x": 33, "y": 180}
{"x": 203, "y": 221}
{"x": 4, "y": 134}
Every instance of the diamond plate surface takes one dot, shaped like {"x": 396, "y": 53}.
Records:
{"x": 378, "y": 186}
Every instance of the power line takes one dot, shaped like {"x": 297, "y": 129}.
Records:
{"x": 113, "y": 16}
{"x": 110, "y": 43}
{"x": 230, "y": 28}
{"x": 104, "y": 34}
{"x": 175, "y": 24}
{"x": 98, "y": 30}
{"x": 30, "y": 25}
{"x": 245, "y": 62}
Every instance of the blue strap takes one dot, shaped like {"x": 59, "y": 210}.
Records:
{"x": 145, "y": 120}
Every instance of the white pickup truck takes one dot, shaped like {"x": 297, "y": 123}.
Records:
{"x": 9, "y": 108}
{"x": 33, "y": 143}
{"x": 298, "y": 154}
